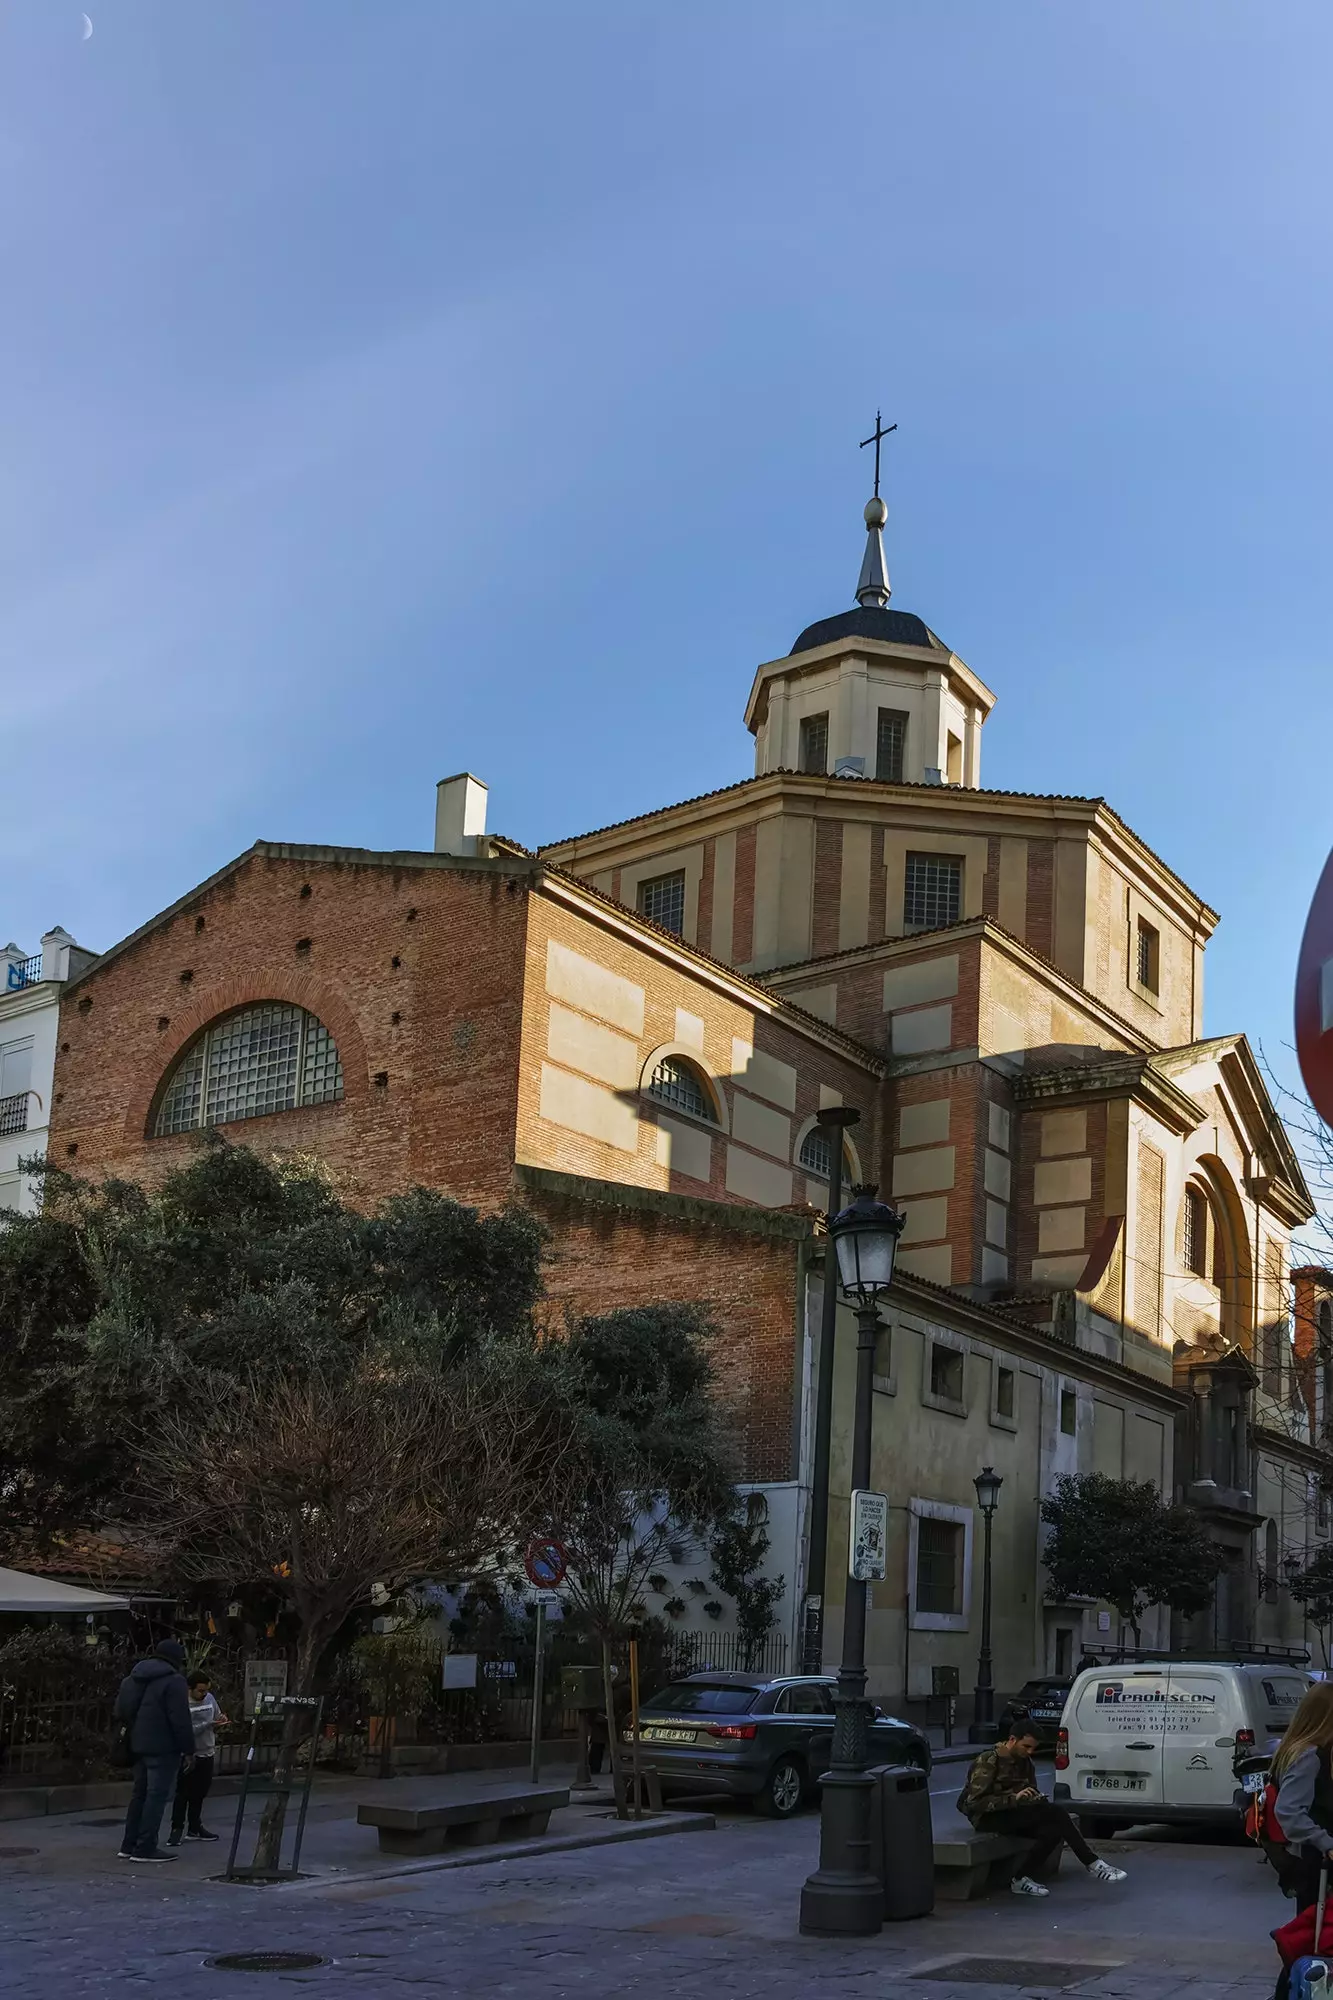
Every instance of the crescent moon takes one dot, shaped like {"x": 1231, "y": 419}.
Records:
{"x": 87, "y": 28}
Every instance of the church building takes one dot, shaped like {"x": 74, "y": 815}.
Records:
{"x": 635, "y": 1031}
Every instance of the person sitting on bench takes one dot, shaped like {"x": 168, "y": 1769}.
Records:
{"x": 1002, "y": 1796}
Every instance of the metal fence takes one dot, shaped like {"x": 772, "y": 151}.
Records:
{"x": 58, "y": 1728}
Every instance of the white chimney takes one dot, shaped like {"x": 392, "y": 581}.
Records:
{"x": 460, "y": 814}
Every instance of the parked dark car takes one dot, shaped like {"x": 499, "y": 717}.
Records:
{"x": 757, "y": 1736}
{"x": 1044, "y": 1702}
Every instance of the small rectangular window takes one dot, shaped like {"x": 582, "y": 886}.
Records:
{"x": 946, "y": 1374}
{"x": 1069, "y": 1412}
{"x": 1147, "y": 955}
{"x": 814, "y": 744}
{"x": 932, "y": 891}
{"x": 662, "y": 901}
{"x": 953, "y": 765}
{"x": 1196, "y": 1233}
{"x": 1064, "y": 1652}
{"x": 1004, "y": 1392}
{"x": 939, "y": 1564}
{"x": 891, "y": 746}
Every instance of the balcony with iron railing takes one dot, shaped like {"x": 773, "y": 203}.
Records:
{"x": 21, "y": 972}
{"x": 14, "y": 1113}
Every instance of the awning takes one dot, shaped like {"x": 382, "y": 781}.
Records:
{"x": 20, "y": 1592}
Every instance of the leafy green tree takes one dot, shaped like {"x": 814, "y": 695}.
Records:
{"x": 119, "y": 1305}
{"x": 738, "y": 1547}
{"x": 1117, "y": 1539}
{"x": 654, "y": 1466}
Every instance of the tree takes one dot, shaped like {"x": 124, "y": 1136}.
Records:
{"x": 1312, "y": 1588}
{"x": 739, "y": 1544}
{"x": 322, "y": 1486}
{"x": 654, "y": 1463}
{"x": 1117, "y": 1539}
{"x": 120, "y": 1305}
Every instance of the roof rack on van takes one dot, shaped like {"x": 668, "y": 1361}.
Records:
{"x": 1292, "y": 1656}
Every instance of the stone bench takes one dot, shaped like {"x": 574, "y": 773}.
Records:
{"x": 516, "y": 1812}
{"x": 967, "y": 1862}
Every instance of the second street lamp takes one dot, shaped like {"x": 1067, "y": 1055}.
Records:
{"x": 988, "y": 1483}
{"x": 845, "y": 1897}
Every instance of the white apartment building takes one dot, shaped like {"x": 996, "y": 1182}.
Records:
{"x": 30, "y": 989}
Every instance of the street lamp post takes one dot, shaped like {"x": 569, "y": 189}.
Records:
{"x": 834, "y": 1121}
{"x": 988, "y": 1483}
{"x": 845, "y": 1897}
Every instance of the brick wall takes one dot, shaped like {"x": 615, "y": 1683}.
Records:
{"x": 627, "y": 1247}
{"x": 416, "y": 970}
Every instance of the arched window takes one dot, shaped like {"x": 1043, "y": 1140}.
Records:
{"x": 679, "y": 1085}
{"x": 1196, "y": 1232}
{"x": 816, "y": 1155}
{"x": 272, "y": 1057}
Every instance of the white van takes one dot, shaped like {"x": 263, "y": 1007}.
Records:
{"x": 1161, "y": 1741}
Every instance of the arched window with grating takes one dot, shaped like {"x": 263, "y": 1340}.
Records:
{"x": 816, "y": 1155}
{"x": 273, "y": 1057}
{"x": 677, "y": 1084}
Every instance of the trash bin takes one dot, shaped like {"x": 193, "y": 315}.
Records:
{"x": 903, "y": 1854}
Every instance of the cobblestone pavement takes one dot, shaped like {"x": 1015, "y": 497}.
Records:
{"x": 698, "y": 1916}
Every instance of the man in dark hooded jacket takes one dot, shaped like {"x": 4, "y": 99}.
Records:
{"x": 154, "y": 1701}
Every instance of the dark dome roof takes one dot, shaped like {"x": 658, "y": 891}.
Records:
{"x": 871, "y": 621}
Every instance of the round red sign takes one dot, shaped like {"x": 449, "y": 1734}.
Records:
{"x": 545, "y": 1565}
{"x": 1314, "y": 998}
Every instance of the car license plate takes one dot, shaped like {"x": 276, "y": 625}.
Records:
{"x": 1121, "y": 1784}
{"x": 669, "y": 1735}
{"x": 1044, "y": 1714}
{"x": 1254, "y": 1781}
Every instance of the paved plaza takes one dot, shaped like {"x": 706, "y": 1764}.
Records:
{"x": 700, "y": 1915}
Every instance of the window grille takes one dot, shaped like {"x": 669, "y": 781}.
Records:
{"x": 676, "y": 1084}
{"x": 1146, "y": 946}
{"x": 816, "y": 1155}
{"x": 267, "y": 1058}
{"x": 938, "y": 1552}
{"x": 890, "y": 746}
{"x": 13, "y": 1114}
{"x": 946, "y": 1374}
{"x": 1196, "y": 1233}
{"x": 662, "y": 901}
{"x": 933, "y": 891}
{"x": 814, "y": 744}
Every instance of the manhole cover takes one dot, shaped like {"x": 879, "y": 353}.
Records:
{"x": 1013, "y": 1972}
{"x": 16, "y": 1853}
{"x": 266, "y": 1961}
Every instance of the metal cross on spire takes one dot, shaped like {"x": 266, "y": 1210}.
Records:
{"x": 877, "y": 436}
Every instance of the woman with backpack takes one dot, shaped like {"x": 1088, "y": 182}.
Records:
{"x": 1303, "y": 1805}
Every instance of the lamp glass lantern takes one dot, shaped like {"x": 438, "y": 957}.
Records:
{"x": 988, "y": 1483}
{"x": 865, "y": 1237}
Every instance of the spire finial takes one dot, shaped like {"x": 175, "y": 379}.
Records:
{"x": 872, "y": 586}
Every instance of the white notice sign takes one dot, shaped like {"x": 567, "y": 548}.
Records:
{"x": 870, "y": 1537}
{"x": 265, "y": 1681}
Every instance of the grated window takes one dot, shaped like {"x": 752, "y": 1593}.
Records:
{"x": 933, "y": 891}
{"x": 676, "y": 1084}
{"x": 1147, "y": 955}
{"x": 662, "y": 901}
{"x": 268, "y": 1058}
{"x": 814, "y": 744}
{"x": 890, "y": 746}
{"x": 1196, "y": 1233}
{"x": 939, "y": 1549}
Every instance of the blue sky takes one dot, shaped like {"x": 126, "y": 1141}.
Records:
{"x": 397, "y": 386}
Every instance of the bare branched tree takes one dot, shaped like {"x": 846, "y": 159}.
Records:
{"x": 320, "y": 1487}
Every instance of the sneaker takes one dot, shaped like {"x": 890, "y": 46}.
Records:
{"x": 156, "y": 1855}
{"x": 124, "y": 1854}
{"x": 174, "y": 1837}
{"x": 1102, "y": 1871}
{"x": 202, "y": 1833}
{"x": 1023, "y": 1885}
